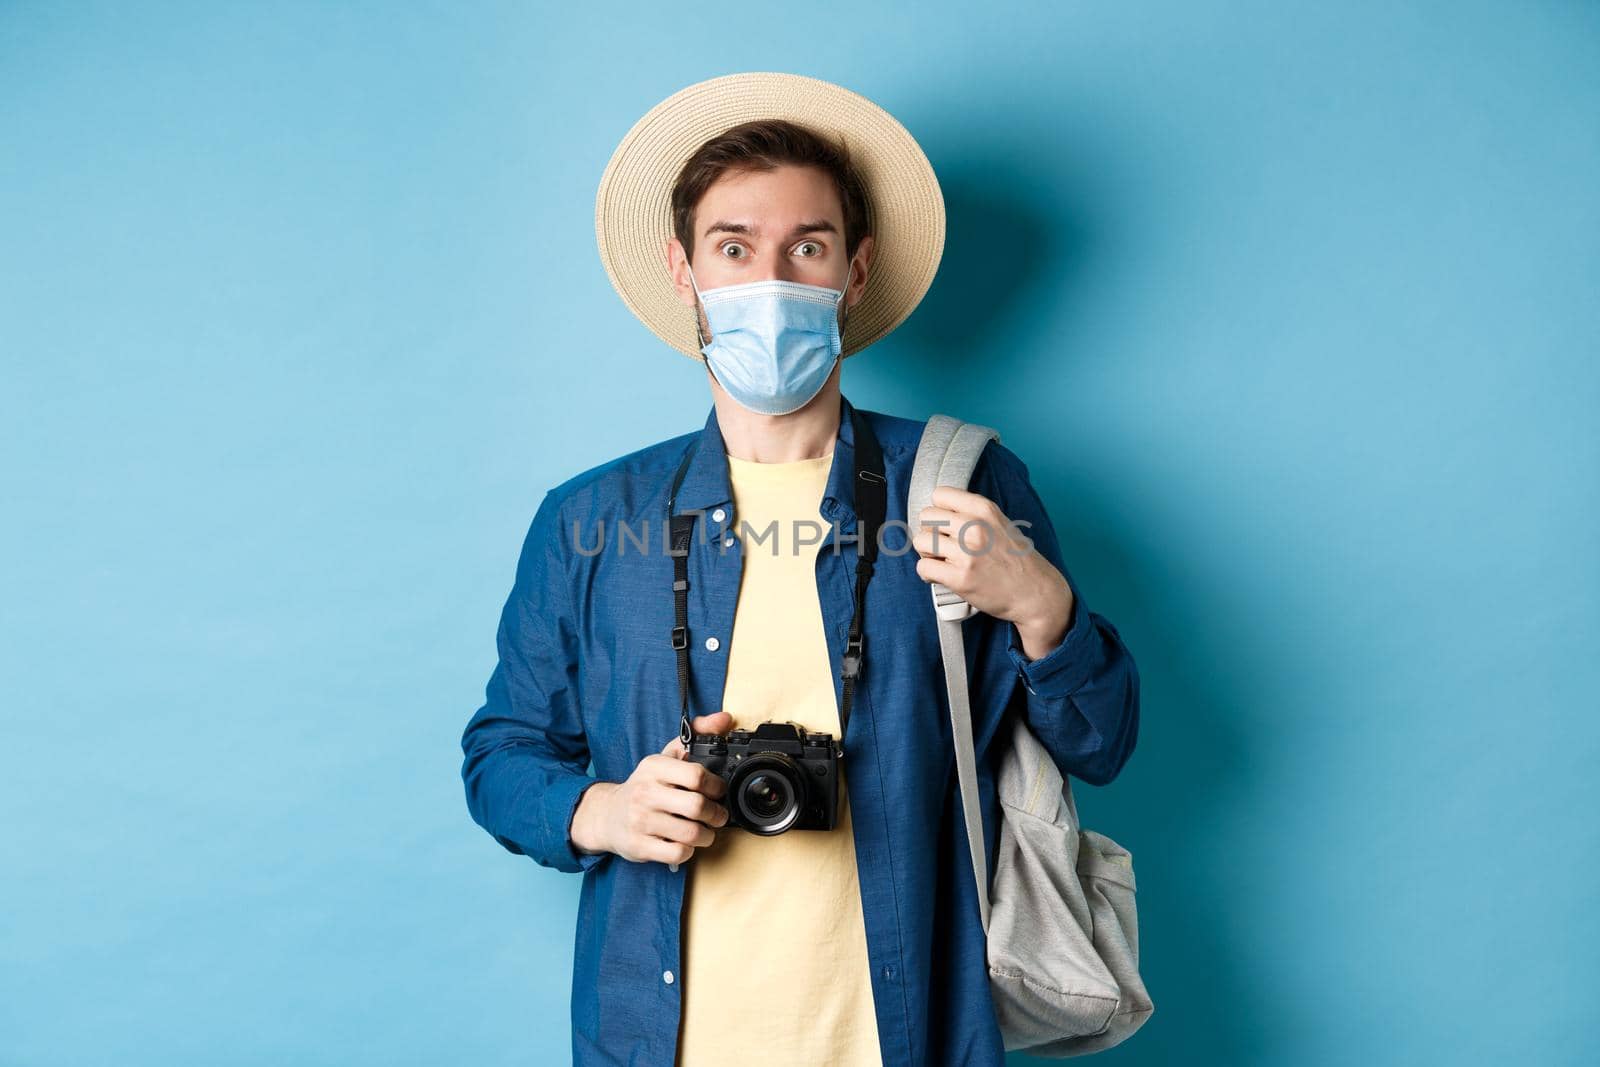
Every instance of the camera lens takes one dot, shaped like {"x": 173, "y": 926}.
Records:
{"x": 767, "y": 793}
{"x": 764, "y": 795}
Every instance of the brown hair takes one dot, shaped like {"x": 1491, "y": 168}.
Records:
{"x": 763, "y": 145}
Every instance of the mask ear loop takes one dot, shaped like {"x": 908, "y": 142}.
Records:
{"x": 699, "y": 334}
{"x": 845, "y": 319}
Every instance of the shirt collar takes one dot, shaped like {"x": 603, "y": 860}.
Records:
{"x": 706, "y": 484}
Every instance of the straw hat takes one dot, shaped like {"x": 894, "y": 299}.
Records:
{"x": 633, "y": 215}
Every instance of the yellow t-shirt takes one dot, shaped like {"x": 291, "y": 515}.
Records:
{"x": 774, "y": 952}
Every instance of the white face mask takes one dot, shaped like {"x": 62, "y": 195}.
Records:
{"x": 773, "y": 343}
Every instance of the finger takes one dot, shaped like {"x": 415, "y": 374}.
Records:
{"x": 691, "y": 805}
{"x": 938, "y": 527}
{"x": 971, "y": 532}
{"x": 932, "y": 569}
{"x": 674, "y": 749}
{"x": 942, "y": 519}
{"x": 948, "y": 496}
{"x": 683, "y": 831}
{"x": 935, "y": 545}
{"x": 686, "y": 775}
{"x": 954, "y": 544}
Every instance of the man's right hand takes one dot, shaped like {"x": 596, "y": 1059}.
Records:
{"x": 666, "y": 809}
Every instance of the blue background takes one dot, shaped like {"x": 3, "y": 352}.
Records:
{"x": 1290, "y": 308}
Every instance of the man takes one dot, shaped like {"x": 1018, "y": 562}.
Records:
{"x": 735, "y": 225}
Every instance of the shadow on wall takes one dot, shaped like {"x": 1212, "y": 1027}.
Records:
{"x": 1007, "y": 244}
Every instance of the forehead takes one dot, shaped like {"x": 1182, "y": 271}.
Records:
{"x": 777, "y": 197}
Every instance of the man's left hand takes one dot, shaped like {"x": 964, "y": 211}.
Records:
{"x": 967, "y": 544}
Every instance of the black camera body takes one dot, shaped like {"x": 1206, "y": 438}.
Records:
{"x": 780, "y": 776}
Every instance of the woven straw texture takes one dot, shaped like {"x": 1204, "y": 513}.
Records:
{"x": 633, "y": 218}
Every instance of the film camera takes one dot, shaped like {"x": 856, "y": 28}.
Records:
{"x": 780, "y": 776}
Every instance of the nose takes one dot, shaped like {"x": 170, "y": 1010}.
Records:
{"x": 777, "y": 266}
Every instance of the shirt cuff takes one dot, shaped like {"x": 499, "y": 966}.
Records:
{"x": 560, "y": 806}
{"x": 1065, "y": 668}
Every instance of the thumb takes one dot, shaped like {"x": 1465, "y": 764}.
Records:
{"x": 716, "y": 723}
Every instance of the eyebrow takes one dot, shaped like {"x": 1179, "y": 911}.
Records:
{"x": 814, "y": 226}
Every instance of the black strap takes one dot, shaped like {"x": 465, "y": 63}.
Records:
{"x": 871, "y": 500}
{"x": 680, "y": 528}
{"x": 872, "y": 493}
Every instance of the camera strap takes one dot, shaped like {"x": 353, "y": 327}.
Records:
{"x": 871, "y": 503}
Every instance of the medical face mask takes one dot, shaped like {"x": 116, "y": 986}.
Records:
{"x": 773, "y": 343}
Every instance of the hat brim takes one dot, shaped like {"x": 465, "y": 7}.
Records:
{"x": 633, "y": 213}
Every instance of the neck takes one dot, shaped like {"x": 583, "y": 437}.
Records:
{"x": 806, "y": 433}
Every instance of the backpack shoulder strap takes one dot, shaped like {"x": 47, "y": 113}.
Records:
{"x": 946, "y": 455}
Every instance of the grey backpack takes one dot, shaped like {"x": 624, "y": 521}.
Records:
{"x": 1063, "y": 934}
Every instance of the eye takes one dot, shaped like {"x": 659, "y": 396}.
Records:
{"x": 809, "y": 244}
{"x": 730, "y": 247}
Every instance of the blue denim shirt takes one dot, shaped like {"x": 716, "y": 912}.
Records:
{"x": 587, "y": 673}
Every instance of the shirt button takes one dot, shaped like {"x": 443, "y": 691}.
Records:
{"x": 727, "y": 542}
{"x": 712, "y": 644}
{"x": 888, "y": 972}
{"x": 718, "y": 515}
{"x": 666, "y": 976}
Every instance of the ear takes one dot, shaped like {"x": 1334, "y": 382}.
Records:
{"x": 678, "y": 270}
{"x": 860, "y": 269}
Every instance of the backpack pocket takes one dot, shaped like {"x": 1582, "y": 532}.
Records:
{"x": 1046, "y": 978}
